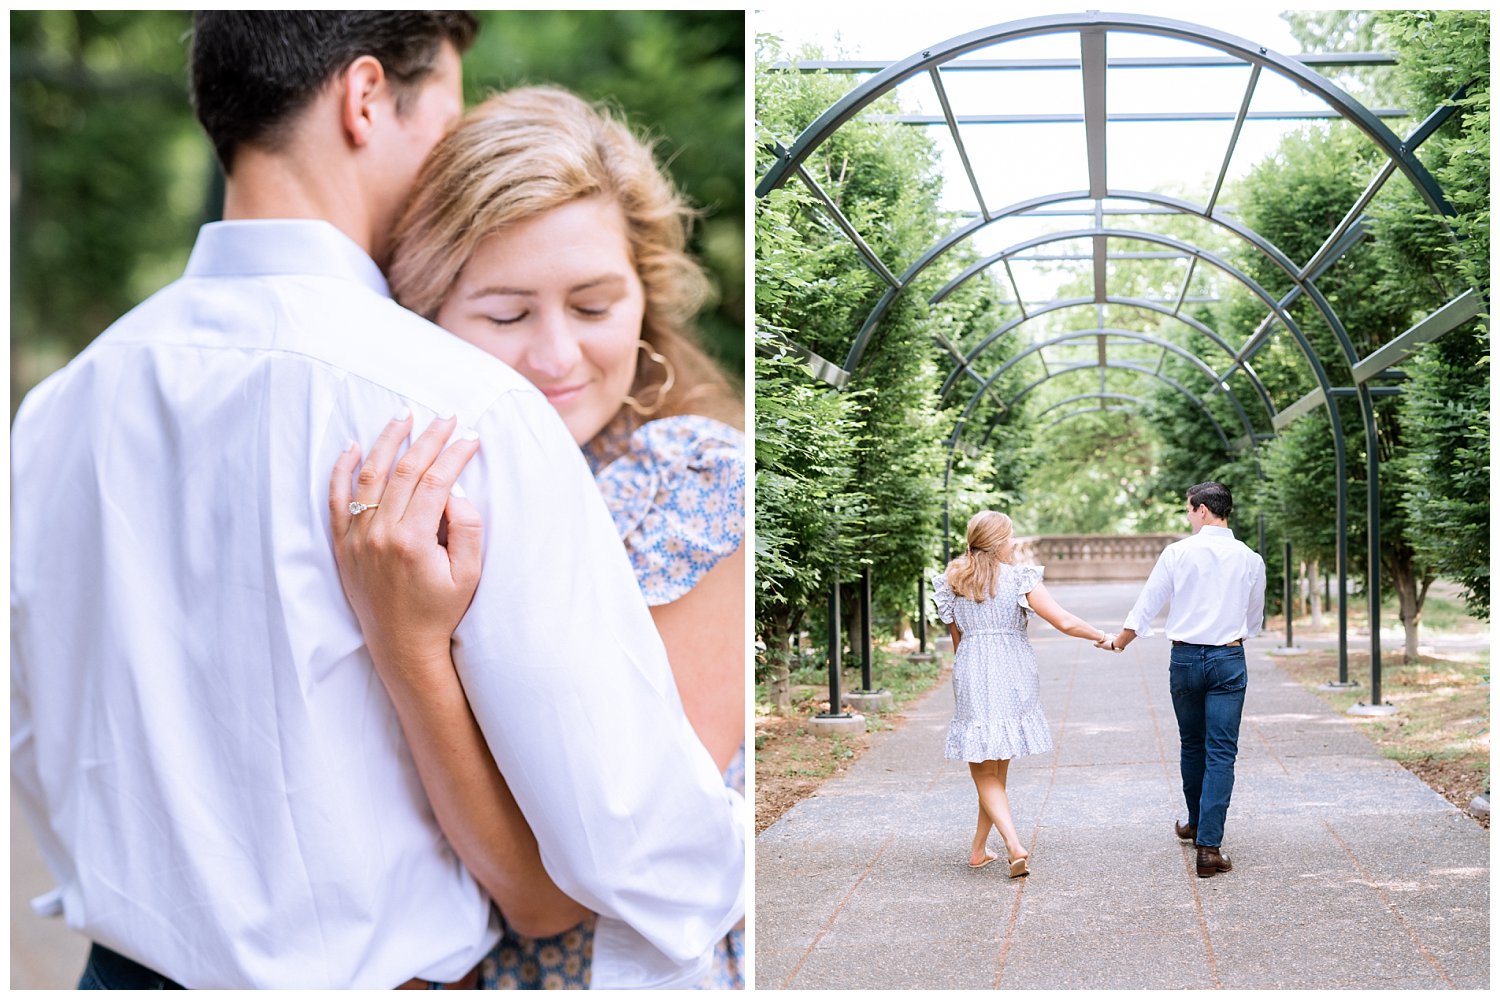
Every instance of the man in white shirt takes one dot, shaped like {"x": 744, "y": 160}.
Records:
{"x": 216, "y": 777}
{"x": 1216, "y": 586}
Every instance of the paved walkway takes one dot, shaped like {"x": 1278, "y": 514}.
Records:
{"x": 1349, "y": 871}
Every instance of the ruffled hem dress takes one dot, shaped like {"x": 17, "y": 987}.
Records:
{"x": 997, "y": 706}
{"x": 676, "y": 490}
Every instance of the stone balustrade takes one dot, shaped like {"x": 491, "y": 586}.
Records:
{"x": 1093, "y": 558}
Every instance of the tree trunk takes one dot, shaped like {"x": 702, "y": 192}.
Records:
{"x": 1411, "y": 592}
{"x": 1314, "y": 595}
{"x": 780, "y": 650}
{"x": 853, "y": 612}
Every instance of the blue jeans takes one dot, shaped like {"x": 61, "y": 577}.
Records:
{"x": 109, "y": 970}
{"x": 1208, "y": 694}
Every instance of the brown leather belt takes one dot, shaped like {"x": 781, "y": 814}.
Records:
{"x": 1237, "y": 642}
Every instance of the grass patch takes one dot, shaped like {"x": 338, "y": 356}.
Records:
{"x": 1442, "y": 612}
{"x": 790, "y": 762}
{"x": 1441, "y": 729}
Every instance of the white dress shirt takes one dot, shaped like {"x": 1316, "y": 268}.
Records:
{"x": 1216, "y": 586}
{"x": 216, "y": 776}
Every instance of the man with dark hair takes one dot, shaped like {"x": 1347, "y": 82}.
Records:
{"x": 215, "y": 774}
{"x": 1216, "y": 586}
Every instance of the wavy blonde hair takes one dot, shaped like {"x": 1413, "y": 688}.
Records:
{"x": 533, "y": 149}
{"x": 991, "y": 542}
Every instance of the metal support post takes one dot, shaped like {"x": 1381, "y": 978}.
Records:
{"x": 1286, "y": 591}
{"x": 921, "y": 614}
{"x": 835, "y": 657}
{"x": 1286, "y": 601}
{"x": 865, "y": 645}
{"x": 1372, "y": 573}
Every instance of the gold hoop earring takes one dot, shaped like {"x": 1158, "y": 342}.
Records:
{"x": 670, "y": 380}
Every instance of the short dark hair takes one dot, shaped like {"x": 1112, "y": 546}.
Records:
{"x": 252, "y": 71}
{"x": 1214, "y": 496}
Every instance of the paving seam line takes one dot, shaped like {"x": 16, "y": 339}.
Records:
{"x": 1036, "y": 830}
{"x": 827, "y": 924}
{"x": 1190, "y": 864}
{"x": 1391, "y": 905}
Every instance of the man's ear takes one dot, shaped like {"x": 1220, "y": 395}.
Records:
{"x": 361, "y": 83}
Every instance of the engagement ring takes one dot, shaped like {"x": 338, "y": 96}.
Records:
{"x": 355, "y": 507}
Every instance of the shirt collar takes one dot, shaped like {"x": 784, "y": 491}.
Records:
{"x": 1215, "y": 529}
{"x": 247, "y": 247}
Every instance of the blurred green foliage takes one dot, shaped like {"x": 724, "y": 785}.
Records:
{"x": 111, "y": 176}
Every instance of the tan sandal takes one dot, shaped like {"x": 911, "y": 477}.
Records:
{"x": 1019, "y": 867}
{"x": 989, "y": 856}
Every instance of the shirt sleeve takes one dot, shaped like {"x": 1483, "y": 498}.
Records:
{"x": 569, "y": 681}
{"x": 942, "y": 598}
{"x": 1255, "y": 612}
{"x": 1153, "y": 597}
{"x": 25, "y": 775}
{"x": 677, "y": 497}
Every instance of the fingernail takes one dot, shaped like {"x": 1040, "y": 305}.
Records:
{"x": 446, "y": 415}
{"x": 350, "y": 446}
{"x": 468, "y": 434}
{"x": 401, "y": 414}
{"x": 458, "y": 491}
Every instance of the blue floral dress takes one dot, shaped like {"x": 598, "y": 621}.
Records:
{"x": 676, "y": 489}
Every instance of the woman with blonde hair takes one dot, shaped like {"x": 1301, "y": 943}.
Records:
{"x": 542, "y": 231}
{"x": 984, "y": 598}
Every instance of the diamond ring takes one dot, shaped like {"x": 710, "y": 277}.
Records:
{"x": 355, "y": 507}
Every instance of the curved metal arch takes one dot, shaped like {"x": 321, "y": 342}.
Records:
{"x": 1249, "y": 283}
{"x": 1301, "y": 284}
{"x": 1090, "y": 409}
{"x": 1139, "y": 235}
{"x": 1166, "y": 345}
{"x": 1116, "y": 300}
{"x": 1319, "y": 373}
{"x": 934, "y": 56}
{"x": 935, "y": 252}
{"x": 1266, "y": 248}
{"x": 1278, "y": 310}
{"x": 1167, "y": 379}
{"x": 1091, "y": 395}
{"x": 1398, "y": 155}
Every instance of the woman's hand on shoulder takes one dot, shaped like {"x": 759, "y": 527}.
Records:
{"x": 409, "y": 561}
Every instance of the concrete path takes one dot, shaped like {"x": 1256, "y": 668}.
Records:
{"x": 1349, "y": 871}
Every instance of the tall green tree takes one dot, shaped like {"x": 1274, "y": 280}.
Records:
{"x": 808, "y": 507}
{"x": 813, "y": 288}
{"x": 1294, "y": 200}
{"x": 1446, "y": 407}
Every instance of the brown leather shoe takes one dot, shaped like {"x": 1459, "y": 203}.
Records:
{"x": 1185, "y": 831}
{"x": 1211, "y": 862}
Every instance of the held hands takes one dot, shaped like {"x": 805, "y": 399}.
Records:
{"x": 1108, "y": 642}
{"x": 407, "y": 584}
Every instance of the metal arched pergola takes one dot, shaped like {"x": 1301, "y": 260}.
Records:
{"x": 1093, "y": 30}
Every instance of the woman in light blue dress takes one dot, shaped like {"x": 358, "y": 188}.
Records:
{"x": 542, "y": 231}
{"x": 985, "y": 600}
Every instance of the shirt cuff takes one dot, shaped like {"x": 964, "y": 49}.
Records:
{"x": 1142, "y": 630}
{"x": 48, "y": 904}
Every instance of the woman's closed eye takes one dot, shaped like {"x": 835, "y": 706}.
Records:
{"x": 508, "y": 319}
{"x": 593, "y": 310}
